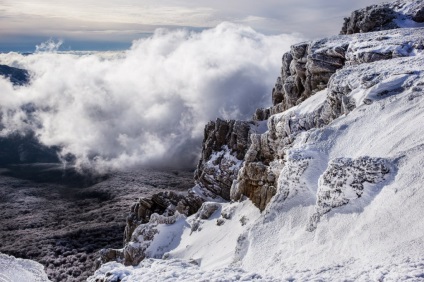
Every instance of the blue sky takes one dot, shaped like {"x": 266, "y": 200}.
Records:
{"x": 111, "y": 25}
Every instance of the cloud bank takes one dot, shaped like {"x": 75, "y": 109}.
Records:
{"x": 146, "y": 106}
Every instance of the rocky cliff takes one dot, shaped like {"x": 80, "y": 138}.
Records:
{"x": 329, "y": 150}
{"x": 385, "y": 16}
{"x": 266, "y": 156}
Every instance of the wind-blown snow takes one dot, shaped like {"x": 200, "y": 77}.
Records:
{"x": 14, "y": 270}
{"x": 145, "y": 106}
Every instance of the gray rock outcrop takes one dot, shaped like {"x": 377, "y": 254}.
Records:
{"x": 305, "y": 70}
{"x": 163, "y": 203}
{"x": 344, "y": 72}
{"x": 343, "y": 182}
{"x": 224, "y": 145}
{"x": 308, "y": 66}
{"x": 364, "y": 58}
{"x": 384, "y": 16}
{"x": 145, "y": 215}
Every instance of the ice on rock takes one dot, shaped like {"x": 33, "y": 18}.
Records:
{"x": 344, "y": 181}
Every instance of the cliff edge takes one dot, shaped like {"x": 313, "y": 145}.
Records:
{"x": 329, "y": 189}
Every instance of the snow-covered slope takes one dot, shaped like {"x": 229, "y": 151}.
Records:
{"x": 15, "y": 270}
{"x": 345, "y": 169}
{"x": 378, "y": 234}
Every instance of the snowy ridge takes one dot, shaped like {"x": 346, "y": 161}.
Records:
{"x": 333, "y": 189}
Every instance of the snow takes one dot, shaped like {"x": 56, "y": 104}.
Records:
{"x": 376, "y": 92}
{"x": 378, "y": 237}
{"x": 171, "y": 270}
{"x": 218, "y": 250}
{"x": 371, "y": 233}
{"x": 259, "y": 127}
{"x": 15, "y": 270}
{"x": 168, "y": 238}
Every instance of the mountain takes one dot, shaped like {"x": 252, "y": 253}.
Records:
{"x": 329, "y": 190}
{"x": 326, "y": 184}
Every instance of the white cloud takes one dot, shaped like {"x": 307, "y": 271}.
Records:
{"x": 148, "y": 105}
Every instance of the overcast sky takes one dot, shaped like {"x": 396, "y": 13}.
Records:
{"x": 113, "y": 24}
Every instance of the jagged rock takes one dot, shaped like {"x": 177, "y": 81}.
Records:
{"x": 161, "y": 208}
{"x": 351, "y": 73}
{"x": 261, "y": 114}
{"x": 419, "y": 15}
{"x": 163, "y": 203}
{"x": 383, "y": 16}
{"x": 306, "y": 69}
{"x": 224, "y": 146}
{"x": 136, "y": 249}
{"x": 15, "y": 75}
{"x": 371, "y": 18}
{"x": 308, "y": 66}
{"x": 361, "y": 54}
{"x": 343, "y": 182}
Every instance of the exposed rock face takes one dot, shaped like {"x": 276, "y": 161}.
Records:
{"x": 145, "y": 215}
{"x": 308, "y": 67}
{"x": 371, "y": 18}
{"x": 266, "y": 156}
{"x": 224, "y": 145}
{"x": 16, "y": 76}
{"x": 164, "y": 203}
{"x": 207, "y": 210}
{"x": 384, "y": 16}
{"x": 343, "y": 181}
{"x": 341, "y": 73}
{"x": 137, "y": 249}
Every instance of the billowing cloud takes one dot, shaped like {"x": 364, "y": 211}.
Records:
{"x": 147, "y": 105}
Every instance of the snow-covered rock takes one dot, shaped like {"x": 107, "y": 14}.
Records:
{"x": 224, "y": 146}
{"x": 401, "y": 13}
{"x": 343, "y": 181}
{"x": 333, "y": 189}
{"x": 308, "y": 67}
{"x": 363, "y": 80}
{"x": 13, "y": 269}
